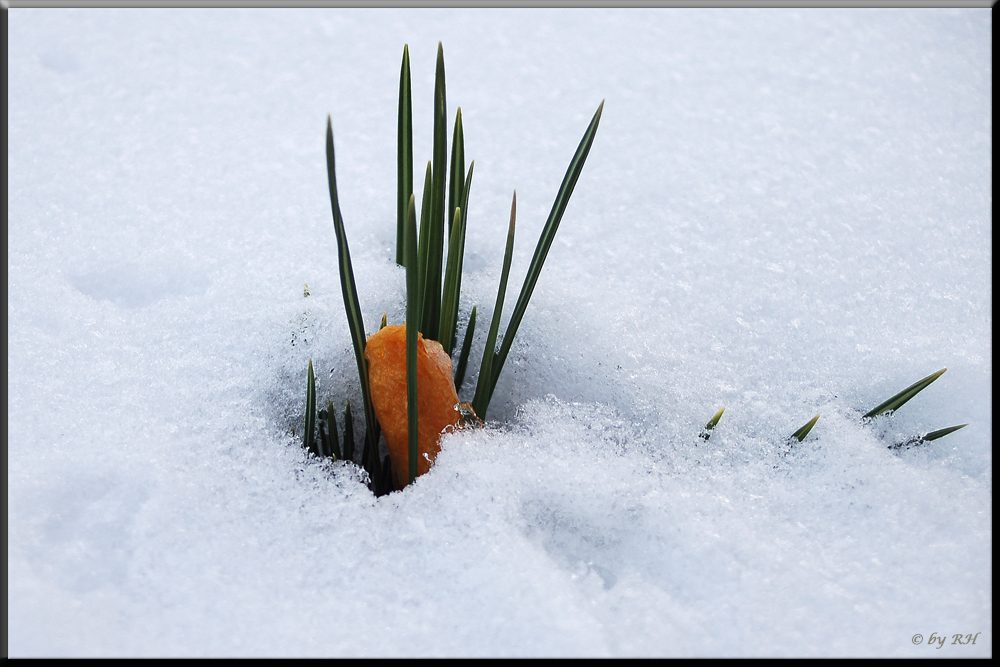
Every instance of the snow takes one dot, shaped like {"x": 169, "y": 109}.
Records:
{"x": 785, "y": 212}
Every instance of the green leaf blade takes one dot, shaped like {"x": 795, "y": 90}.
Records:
{"x": 348, "y": 433}
{"x": 435, "y": 248}
{"x": 387, "y": 483}
{"x": 461, "y": 256}
{"x": 712, "y": 423}
{"x": 801, "y": 434}
{"x": 423, "y": 244}
{"x": 895, "y": 402}
{"x": 925, "y": 438}
{"x": 485, "y": 385}
{"x": 309, "y": 435}
{"x": 331, "y": 425}
{"x": 934, "y": 435}
{"x": 404, "y": 152}
{"x": 455, "y": 180}
{"x": 463, "y": 357}
{"x": 412, "y": 306}
{"x": 449, "y": 298}
{"x": 545, "y": 240}
{"x": 352, "y": 306}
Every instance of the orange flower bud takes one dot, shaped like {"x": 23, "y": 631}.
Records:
{"x": 437, "y": 400}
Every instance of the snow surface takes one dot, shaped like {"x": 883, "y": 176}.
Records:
{"x": 785, "y": 213}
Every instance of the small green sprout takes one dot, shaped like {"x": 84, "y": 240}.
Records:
{"x": 927, "y": 437}
{"x": 309, "y": 434}
{"x": 894, "y": 403}
{"x": 707, "y": 431}
{"x": 801, "y": 434}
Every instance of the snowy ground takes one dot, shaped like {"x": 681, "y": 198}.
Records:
{"x": 784, "y": 213}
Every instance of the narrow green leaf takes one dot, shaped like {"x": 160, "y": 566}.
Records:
{"x": 371, "y": 462}
{"x": 351, "y": 305}
{"x": 801, "y": 434}
{"x": 309, "y": 435}
{"x": 897, "y": 401}
{"x": 385, "y": 320}
{"x": 461, "y": 257}
{"x": 714, "y": 420}
{"x": 424, "y": 243}
{"x": 934, "y": 435}
{"x": 484, "y": 387}
{"x": 449, "y": 299}
{"x": 927, "y": 437}
{"x": 455, "y": 180}
{"x": 463, "y": 358}
{"x": 387, "y": 485}
{"x": 412, "y": 305}
{"x": 324, "y": 439}
{"x": 431, "y": 294}
{"x": 348, "y": 433}
{"x": 366, "y": 451}
{"x": 378, "y": 481}
{"x": 544, "y": 243}
{"x": 331, "y": 425}
{"x": 465, "y": 191}
{"x": 324, "y": 444}
{"x": 404, "y": 152}
{"x": 707, "y": 432}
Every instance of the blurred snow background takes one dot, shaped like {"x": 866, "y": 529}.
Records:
{"x": 784, "y": 213}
